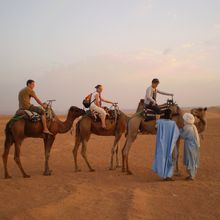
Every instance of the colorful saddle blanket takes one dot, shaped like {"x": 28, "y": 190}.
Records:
{"x": 112, "y": 115}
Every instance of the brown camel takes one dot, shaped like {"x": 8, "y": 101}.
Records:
{"x": 137, "y": 123}
{"x": 23, "y": 128}
{"x": 87, "y": 126}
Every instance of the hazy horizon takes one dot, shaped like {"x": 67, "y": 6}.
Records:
{"x": 68, "y": 47}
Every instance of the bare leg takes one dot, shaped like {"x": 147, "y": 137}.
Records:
{"x": 83, "y": 152}
{"x": 44, "y": 122}
{"x": 17, "y": 159}
{"x": 75, "y": 152}
{"x": 103, "y": 117}
{"x": 5, "y": 158}
{"x": 115, "y": 146}
{"x": 48, "y": 142}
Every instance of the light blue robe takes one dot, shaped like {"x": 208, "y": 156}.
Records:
{"x": 167, "y": 136}
{"x": 191, "y": 148}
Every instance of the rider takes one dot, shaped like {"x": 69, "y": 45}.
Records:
{"x": 151, "y": 97}
{"x": 96, "y": 104}
{"x": 24, "y": 103}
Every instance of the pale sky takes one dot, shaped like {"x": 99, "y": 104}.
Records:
{"x": 69, "y": 46}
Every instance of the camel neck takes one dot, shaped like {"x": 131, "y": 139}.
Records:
{"x": 67, "y": 124}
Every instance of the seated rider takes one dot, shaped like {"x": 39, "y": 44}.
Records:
{"x": 151, "y": 97}
{"x": 24, "y": 103}
{"x": 96, "y": 104}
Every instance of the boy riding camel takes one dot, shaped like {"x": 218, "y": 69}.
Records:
{"x": 24, "y": 98}
{"x": 151, "y": 97}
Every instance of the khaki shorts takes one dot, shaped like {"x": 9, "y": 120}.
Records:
{"x": 36, "y": 109}
{"x": 97, "y": 109}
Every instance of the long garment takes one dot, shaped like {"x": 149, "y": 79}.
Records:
{"x": 167, "y": 136}
{"x": 191, "y": 148}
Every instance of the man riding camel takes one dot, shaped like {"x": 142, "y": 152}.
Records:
{"x": 151, "y": 97}
{"x": 24, "y": 98}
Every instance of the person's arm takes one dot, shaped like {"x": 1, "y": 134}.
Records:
{"x": 164, "y": 93}
{"x": 106, "y": 101}
{"x": 33, "y": 94}
{"x": 148, "y": 96}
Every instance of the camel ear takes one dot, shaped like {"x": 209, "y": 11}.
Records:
{"x": 205, "y": 109}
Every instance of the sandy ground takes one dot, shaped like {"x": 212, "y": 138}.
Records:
{"x": 108, "y": 194}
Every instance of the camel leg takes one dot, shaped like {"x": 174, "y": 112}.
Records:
{"x": 17, "y": 159}
{"x": 133, "y": 127}
{"x": 83, "y": 152}
{"x": 5, "y": 158}
{"x": 117, "y": 160}
{"x": 75, "y": 152}
{"x": 125, "y": 153}
{"x": 114, "y": 149}
{"x": 177, "y": 172}
{"x": 48, "y": 142}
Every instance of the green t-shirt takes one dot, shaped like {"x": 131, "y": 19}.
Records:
{"x": 24, "y": 98}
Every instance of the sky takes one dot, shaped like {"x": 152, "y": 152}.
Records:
{"x": 70, "y": 46}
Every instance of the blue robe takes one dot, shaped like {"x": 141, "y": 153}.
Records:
{"x": 167, "y": 136}
{"x": 191, "y": 148}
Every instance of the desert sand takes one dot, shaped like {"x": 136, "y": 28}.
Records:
{"x": 108, "y": 194}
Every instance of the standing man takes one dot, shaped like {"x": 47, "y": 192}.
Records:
{"x": 24, "y": 98}
{"x": 167, "y": 136}
{"x": 151, "y": 97}
{"x": 191, "y": 145}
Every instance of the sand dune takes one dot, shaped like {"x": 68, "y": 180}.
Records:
{"x": 108, "y": 194}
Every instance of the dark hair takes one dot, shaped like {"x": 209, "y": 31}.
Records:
{"x": 168, "y": 114}
{"x": 155, "y": 80}
{"x": 29, "y": 82}
{"x": 98, "y": 86}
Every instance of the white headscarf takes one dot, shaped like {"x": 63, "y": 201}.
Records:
{"x": 188, "y": 118}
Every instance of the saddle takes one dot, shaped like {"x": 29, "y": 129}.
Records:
{"x": 150, "y": 115}
{"x": 112, "y": 115}
{"x": 33, "y": 116}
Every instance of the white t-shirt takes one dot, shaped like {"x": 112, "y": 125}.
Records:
{"x": 149, "y": 95}
{"x": 93, "y": 98}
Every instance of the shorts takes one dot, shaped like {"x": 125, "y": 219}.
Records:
{"x": 36, "y": 109}
{"x": 155, "y": 108}
{"x": 97, "y": 109}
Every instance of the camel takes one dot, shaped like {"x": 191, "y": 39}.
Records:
{"x": 87, "y": 126}
{"x": 137, "y": 123}
{"x": 23, "y": 128}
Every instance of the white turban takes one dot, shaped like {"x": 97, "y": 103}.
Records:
{"x": 188, "y": 118}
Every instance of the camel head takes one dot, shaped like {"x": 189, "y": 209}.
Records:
{"x": 175, "y": 109}
{"x": 200, "y": 113}
{"x": 76, "y": 112}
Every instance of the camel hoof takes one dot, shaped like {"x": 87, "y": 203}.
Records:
{"x": 26, "y": 176}
{"x": 91, "y": 170}
{"x": 77, "y": 170}
{"x": 8, "y": 177}
{"x": 48, "y": 173}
